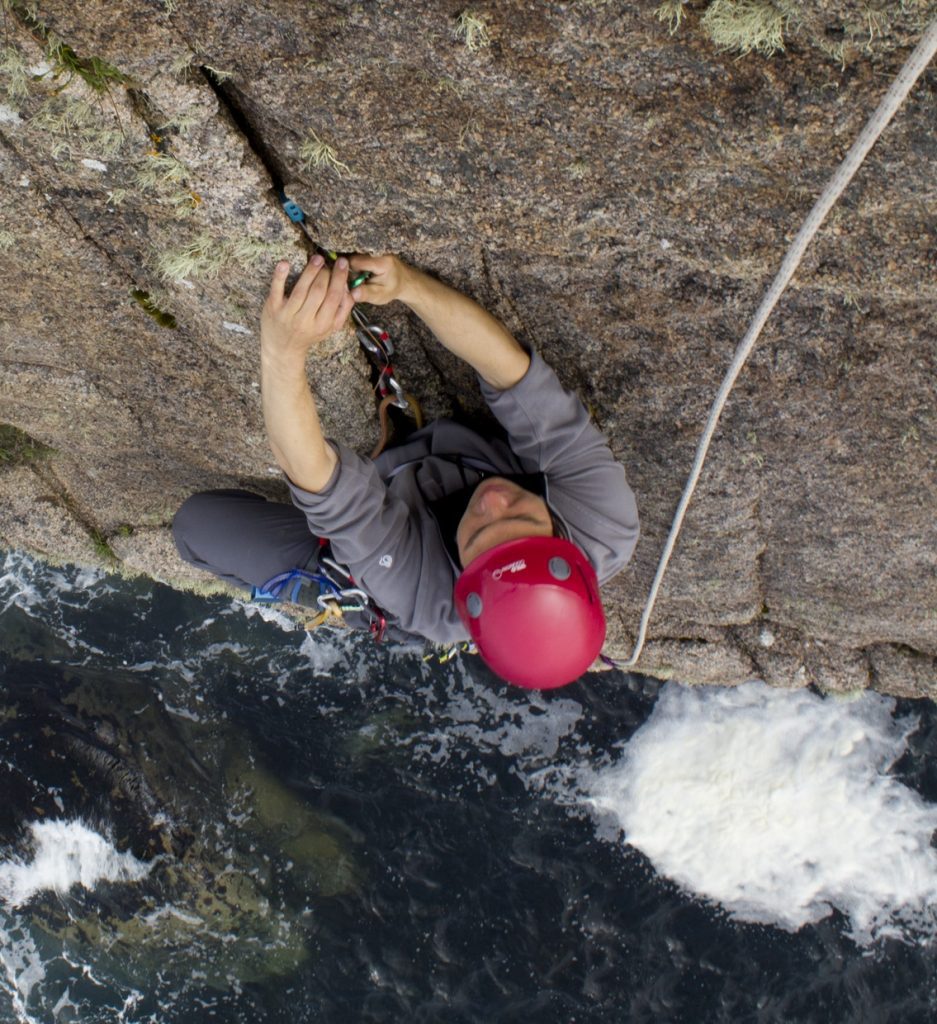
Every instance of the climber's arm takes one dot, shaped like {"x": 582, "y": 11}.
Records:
{"x": 458, "y": 322}
{"x": 290, "y": 326}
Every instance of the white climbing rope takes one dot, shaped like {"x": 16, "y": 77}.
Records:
{"x": 921, "y": 56}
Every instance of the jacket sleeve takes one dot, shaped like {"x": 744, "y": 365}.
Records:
{"x": 386, "y": 546}
{"x": 550, "y": 430}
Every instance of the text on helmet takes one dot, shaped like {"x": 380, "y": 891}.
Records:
{"x": 519, "y": 566}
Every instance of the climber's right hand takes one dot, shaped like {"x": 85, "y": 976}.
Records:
{"x": 388, "y": 280}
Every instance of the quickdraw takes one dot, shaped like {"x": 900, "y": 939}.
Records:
{"x": 374, "y": 339}
{"x": 379, "y": 348}
{"x": 350, "y": 598}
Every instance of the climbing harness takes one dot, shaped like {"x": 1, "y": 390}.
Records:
{"x": 336, "y": 595}
{"x": 902, "y": 85}
{"x": 374, "y": 340}
{"x": 339, "y": 601}
{"x": 350, "y": 598}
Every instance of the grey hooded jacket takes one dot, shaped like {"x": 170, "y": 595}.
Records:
{"x": 378, "y": 518}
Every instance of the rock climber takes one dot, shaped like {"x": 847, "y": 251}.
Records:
{"x": 452, "y": 535}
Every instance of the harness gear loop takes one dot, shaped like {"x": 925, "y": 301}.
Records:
{"x": 337, "y": 594}
{"x": 920, "y": 57}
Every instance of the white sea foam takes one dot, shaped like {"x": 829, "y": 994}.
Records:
{"x": 16, "y": 590}
{"x": 269, "y": 613}
{"x": 65, "y": 853}
{"x": 21, "y": 967}
{"x": 778, "y": 805}
{"x": 325, "y": 651}
{"x": 35, "y": 587}
{"x": 471, "y": 720}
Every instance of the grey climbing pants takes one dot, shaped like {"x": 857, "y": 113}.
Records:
{"x": 241, "y": 537}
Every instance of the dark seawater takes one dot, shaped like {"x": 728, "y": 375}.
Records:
{"x": 334, "y": 832}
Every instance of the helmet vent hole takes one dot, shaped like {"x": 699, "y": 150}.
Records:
{"x": 473, "y": 605}
{"x": 559, "y": 568}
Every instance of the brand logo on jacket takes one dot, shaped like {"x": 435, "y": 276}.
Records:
{"x": 519, "y": 566}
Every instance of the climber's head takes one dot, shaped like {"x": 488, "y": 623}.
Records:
{"x": 529, "y": 599}
{"x": 498, "y": 511}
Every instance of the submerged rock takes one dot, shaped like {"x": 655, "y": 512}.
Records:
{"x": 237, "y": 860}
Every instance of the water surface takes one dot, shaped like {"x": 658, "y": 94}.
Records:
{"x": 271, "y": 826}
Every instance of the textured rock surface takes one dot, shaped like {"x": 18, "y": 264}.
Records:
{"x": 618, "y": 194}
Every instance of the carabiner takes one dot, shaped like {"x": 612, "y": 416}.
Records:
{"x": 401, "y": 396}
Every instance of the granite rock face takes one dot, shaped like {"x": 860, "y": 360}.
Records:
{"x": 620, "y": 194}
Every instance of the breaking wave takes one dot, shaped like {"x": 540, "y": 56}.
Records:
{"x": 778, "y": 805}
{"x": 64, "y": 854}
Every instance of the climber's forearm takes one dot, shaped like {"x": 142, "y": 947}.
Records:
{"x": 290, "y": 327}
{"x": 466, "y": 329}
{"x": 292, "y": 422}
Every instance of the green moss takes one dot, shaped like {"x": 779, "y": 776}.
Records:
{"x": 181, "y": 63}
{"x": 165, "y": 176}
{"x": 102, "y": 548}
{"x": 739, "y": 25}
{"x": 96, "y": 72}
{"x": 218, "y": 74}
{"x": 17, "y": 448}
{"x": 181, "y": 124}
{"x": 160, "y": 172}
{"x": 93, "y": 70}
{"x": 76, "y": 127}
{"x": 14, "y": 74}
{"x": 841, "y": 31}
{"x": 143, "y": 300}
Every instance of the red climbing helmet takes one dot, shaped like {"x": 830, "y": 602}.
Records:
{"x": 533, "y": 609}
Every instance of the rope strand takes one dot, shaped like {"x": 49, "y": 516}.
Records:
{"x": 920, "y": 57}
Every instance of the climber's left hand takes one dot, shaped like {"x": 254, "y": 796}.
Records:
{"x": 317, "y": 307}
